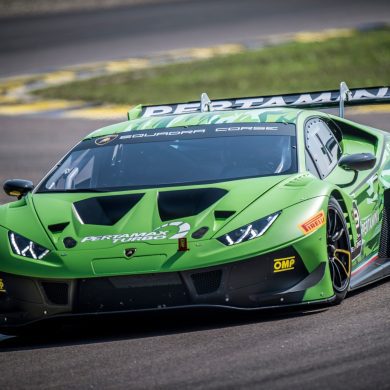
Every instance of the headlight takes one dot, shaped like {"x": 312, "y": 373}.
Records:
{"x": 22, "y": 246}
{"x": 250, "y": 231}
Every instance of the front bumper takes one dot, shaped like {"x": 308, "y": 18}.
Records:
{"x": 274, "y": 279}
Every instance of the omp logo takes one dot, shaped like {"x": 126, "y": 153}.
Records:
{"x": 313, "y": 223}
{"x": 284, "y": 264}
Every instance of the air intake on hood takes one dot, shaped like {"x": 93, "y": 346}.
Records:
{"x": 58, "y": 227}
{"x": 105, "y": 210}
{"x": 221, "y": 214}
{"x": 185, "y": 203}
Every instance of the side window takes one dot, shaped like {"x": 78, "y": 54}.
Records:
{"x": 322, "y": 148}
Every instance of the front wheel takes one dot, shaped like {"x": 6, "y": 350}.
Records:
{"x": 339, "y": 250}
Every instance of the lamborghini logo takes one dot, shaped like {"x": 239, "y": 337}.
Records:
{"x": 105, "y": 140}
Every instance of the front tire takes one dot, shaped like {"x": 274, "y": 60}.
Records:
{"x": 339, "y": 250}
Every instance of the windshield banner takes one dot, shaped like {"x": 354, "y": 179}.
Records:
{"x": 191, "y": 132}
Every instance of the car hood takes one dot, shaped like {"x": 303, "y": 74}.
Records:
{"x": 153, "y": 216}
{"x": 100, "y": 220}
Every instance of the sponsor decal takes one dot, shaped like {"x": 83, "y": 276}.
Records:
{"x": 284, "y": 264}
{"x": 207, "y": 130}
{"x": 370, "y": 222}
{"x": 247, "y": 128}
{"x": 372, "y": 192}
{"x": 310, "y": 99}
{"x": 190, "y": 132}
{"x": 169, "y": 231}
{"x": 163, "y": 133}
{"x": 313, "y": 223}
{"x": 2, "y": 286}
{"x": 357, "y": 249}
{"x": 105, "y": 140}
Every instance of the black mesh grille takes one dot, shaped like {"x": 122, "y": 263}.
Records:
{"x": 384, "y": 242}
{"x": 131, "y": 293}
{"x": 207, "y": 282}
{"x": 56, "y": 292}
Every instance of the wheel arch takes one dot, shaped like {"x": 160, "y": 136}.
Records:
{"x": 348, "y": 217}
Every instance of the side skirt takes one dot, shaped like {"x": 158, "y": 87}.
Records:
{"x": 372, "y": 270}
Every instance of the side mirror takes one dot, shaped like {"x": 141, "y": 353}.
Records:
{"x": 17, "y": 187}
{"x": 358, "y": 162}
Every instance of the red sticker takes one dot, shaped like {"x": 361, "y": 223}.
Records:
{"x": 313, "y": 223}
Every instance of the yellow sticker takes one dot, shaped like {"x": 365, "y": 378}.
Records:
{"x": 2, "y": 287}
{"x": 284, "y": 264}
{"x": 313, "y": 223}
{"x": 15, "y": 193}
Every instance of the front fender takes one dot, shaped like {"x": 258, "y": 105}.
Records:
{"x": 21, "y": 217}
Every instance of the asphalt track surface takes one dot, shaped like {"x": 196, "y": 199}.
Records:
{"x": 43, "y": 42}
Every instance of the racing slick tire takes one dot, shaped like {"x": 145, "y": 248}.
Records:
{"x": 339, "y": 250}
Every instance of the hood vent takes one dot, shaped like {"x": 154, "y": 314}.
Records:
{"x": 105, "y": 210}
{"x": 222, "y": 214}
{"x": 186, "y": 203}
{"x": 58, "y": 227}
{"x": 299, "y": 181}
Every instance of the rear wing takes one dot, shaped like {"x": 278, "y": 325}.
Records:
{"x": 319, "y": 99}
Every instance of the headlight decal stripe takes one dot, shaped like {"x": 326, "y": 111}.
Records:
{"x": 249, "y": 231}
{"x": 13, "y": 244}
{"x": 24, "y": 247}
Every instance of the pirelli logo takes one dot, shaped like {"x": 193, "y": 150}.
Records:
{"x": 284, "y": 264}
{"x": 313, "y": 223}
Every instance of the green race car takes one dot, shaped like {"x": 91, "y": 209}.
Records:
{"x": 242, "y": 203}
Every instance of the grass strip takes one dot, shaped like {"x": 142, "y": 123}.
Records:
{"x": 362, "y": 59}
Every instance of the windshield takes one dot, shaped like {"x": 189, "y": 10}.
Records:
{"x": 176, "y": 156}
